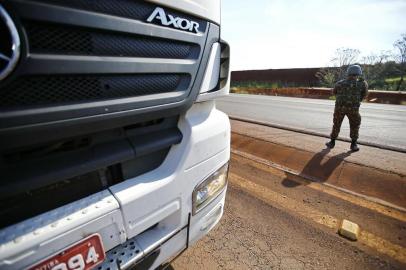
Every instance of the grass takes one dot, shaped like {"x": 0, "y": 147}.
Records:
{"x": 263, "y": 84}
{"x": 392, "y": 80}
{"x": 255, "y": 84}
{"x": 389, "y": 84}
{"x": 238, "y": 90}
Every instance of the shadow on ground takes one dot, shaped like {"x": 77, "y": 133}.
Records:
{"x": 319, "y": 168}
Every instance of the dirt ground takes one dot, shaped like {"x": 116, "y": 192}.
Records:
{"x": 254, "y": 235}
{"x": 257, "y": 232}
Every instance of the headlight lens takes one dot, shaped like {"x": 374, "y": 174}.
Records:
{"x": 208, "y": 190}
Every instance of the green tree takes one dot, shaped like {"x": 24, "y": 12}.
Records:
{"x": 374, "y": 66}
{"x": 400, "y": 58}
{"x": 343, "y": 57}
{"x": 327, "y": 77}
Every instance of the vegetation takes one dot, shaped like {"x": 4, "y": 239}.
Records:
{"x": 262, "y": 84}
{"x": 383, "y": 71}
{"x": 400, "y": 58}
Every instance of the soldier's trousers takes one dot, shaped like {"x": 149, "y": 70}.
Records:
{"x": 353, "y": 116}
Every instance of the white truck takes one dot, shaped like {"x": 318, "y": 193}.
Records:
{"x": 113, "y": 154}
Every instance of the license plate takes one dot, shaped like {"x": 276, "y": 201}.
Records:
{"x": 83, "y": 255}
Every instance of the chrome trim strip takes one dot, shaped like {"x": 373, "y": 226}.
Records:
{"x": 62, "y": 64}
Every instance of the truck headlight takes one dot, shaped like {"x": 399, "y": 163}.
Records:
{"x": 209, "y": 189}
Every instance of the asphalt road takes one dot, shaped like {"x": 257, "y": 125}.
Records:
{"x": 381, "y": 124}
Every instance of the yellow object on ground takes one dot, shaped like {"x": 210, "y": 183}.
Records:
{"x": 349, "y": 230}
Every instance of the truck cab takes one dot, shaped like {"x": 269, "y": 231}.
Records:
{"x": 113, "y": 154}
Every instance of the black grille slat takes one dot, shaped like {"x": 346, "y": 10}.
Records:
{"x": 59, "y": 90}
{"x": 123, "y": 8}
{"x": 56, "y": 39}
{"x": 132, "y": 9}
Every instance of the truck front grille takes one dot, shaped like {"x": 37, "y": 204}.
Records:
{"x": 62, "y": 90}
{"x": 80, "y": 52}
{"x": 59, "y": 39}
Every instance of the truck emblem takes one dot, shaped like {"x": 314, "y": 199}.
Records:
{"x": 170, "y": 20}
{"x": 10, "y": 49}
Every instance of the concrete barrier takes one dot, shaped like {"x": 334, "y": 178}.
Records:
{"x": 374, "y": 96}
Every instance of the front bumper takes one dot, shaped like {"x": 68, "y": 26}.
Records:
{"x": 152, "y": 210}
{"x": 131, "y": 254}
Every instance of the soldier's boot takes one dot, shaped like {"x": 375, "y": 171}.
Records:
{"x": 331, "y": 143}
{"x": 354, "y": 146}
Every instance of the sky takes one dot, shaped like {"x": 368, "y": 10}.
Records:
{"x": 265, "y": 34}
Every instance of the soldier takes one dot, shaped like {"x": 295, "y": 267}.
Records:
{"x": 349, "y": 94}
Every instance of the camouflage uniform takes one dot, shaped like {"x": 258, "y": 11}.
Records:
{"x": 349, "y": 94}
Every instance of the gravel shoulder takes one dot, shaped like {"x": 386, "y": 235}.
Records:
{"x": 256, "y": 235}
